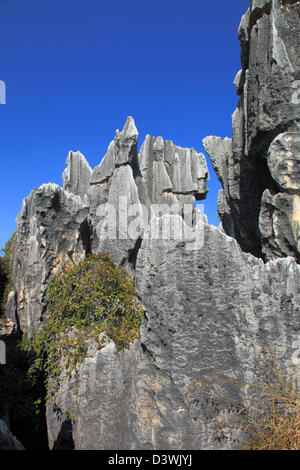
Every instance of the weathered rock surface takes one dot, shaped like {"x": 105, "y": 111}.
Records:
{"x": 7, "y": 440}
{"x": 113, "y": 191}
{"x": 77, "y": 175}
{"x": 170, "y": 171}
{"x": 284, "y": 161}
{"x": 210, "y": 305}
{"x": 106, "y": 210}
{"x": 126, "y": 189}
{"x": 259, "y": 157}
{"x": 279, "y": 220}
{"x": 207, "y": 310}
{"x": 121, "y": 151}
{"x": 52, "y": 229}
{"x": 7, "y": 328}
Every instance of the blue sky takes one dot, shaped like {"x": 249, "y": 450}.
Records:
{"x": 75, "y": 69}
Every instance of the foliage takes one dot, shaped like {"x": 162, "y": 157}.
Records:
{"x": 5, "y": 275}
{"x": 86, "y": 300}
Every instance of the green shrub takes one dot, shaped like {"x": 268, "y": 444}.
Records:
{"x": 84, "y": 301}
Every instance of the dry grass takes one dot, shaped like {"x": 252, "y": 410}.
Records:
{"x": 276, "y": 425}
{"x": 270, "y": 416}
{"x": 273, "y": 417}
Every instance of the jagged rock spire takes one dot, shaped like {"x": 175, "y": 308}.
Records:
{"x": 255, "y": 206}
{"x": 76, "y": 177}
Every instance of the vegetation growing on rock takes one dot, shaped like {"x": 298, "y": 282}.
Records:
{"x": 85, "y": 300}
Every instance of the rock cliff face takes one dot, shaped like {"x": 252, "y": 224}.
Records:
{"x": 259, "y": 202}
{"x": 127, "y": 189}
{"x": 52, "y": 228}
{"x": 206, "y": 310}
{"x": 107, "y": 209}
{"x": 211, "y": 299}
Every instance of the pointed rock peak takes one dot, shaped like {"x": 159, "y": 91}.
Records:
{"x": 158, "y": 143}
{"x": 211, "y": 140}
{"x": 77, "y": 174}
{"x": 146, "y": 142}
{"x": 213, "y": 145}
{"x": 106, "y": 167}
{"x": 129, "y": 129}
{"x": 77, "y": 157}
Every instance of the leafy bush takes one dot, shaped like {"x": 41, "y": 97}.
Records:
{"x": 84, "y": 301}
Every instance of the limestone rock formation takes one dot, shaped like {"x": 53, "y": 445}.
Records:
{"x": 105, "y": 209}
{"x": 76, "y": 177}
{"x": 52, "y": 228}
{"x": 213, "y": 297}
{"x": 127, "y": 187}
{"x": 257, "y": 206}
{"x": 113, "y": 191}
{"x": 279, "y": 220}
{"x": 206, "y": 310}
{"x": 171, "y": 173}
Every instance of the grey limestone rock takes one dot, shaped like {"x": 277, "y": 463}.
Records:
{"x": 52, "y": 229}
{"x": 105, "y": 169}
{"x": 263, "y": 158}
{"x": 116, "y": 186}
{"x": 121, "y": 151}
{"x": 167, "y": 168}
{"x": 279, "y": 224}
{"x": 211, "y": 306}
{"x": 239, "y": 82}
{"x": 138, "y": 186}
{"x": 284, "y": 161}
{"x": 105, "y": 210}
{"x": 76, "y": 177}
{"x": 206, "y": 310}
{"x": 279, "y": 219}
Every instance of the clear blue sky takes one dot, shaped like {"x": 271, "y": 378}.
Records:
{"x": 75, "y": 69}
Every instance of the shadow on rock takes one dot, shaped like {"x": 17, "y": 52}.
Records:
{"x": 64, "y": 439}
